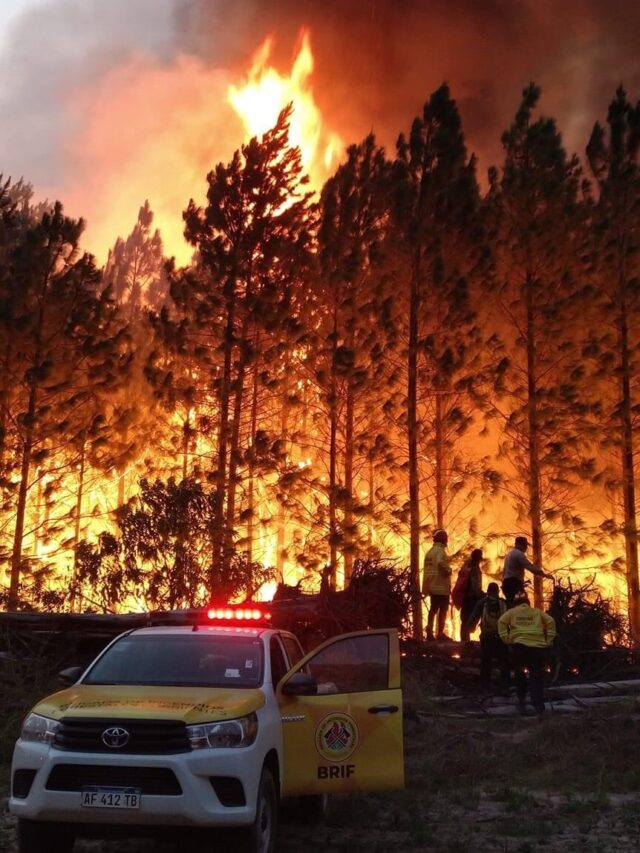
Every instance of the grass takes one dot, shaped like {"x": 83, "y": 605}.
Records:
{"x": 591, "y": 753}
{"x": 501, "y": 785}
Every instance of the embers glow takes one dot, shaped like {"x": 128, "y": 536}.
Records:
{"x": 266, "y": 92}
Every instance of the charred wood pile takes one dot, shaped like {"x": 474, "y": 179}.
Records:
{"x": 377, "y": 596}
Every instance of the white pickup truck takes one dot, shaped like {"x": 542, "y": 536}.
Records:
{"x": 207, "y": 725}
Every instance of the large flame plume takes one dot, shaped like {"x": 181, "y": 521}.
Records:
{"x": 147, "y": 130}
{"x": 266, "y": 92}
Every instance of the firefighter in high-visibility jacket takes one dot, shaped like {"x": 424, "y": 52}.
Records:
{"x": 528, "y": 632}
{"x": 436, "y": 583}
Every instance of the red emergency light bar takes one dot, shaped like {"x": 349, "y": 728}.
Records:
{"x": 238, "y": 614}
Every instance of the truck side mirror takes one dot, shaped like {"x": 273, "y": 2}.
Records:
{"x": 300, "y": 684}
{"x": 70, "y": 676}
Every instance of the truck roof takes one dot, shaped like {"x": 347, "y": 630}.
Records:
{"x": 216, "y": 630}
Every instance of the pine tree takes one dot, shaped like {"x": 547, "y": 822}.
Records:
{"x": 161, "y": 551}
{"x": 535, "y": 211}
{"x": 251, "y": 237}
{"x": 135, "y": 268}
{"x": 63, "y": 328}
{"x": 354, "y": 218}
{"x": 12, "y": 222}
{"x": 436, "y": 198}
{"x": 614, "y": 157}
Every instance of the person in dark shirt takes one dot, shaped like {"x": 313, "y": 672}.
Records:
{"x": 473, "y": 591}
{"x": 488, "y": 611}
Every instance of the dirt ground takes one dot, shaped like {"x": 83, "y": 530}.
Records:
{"x": 513, "y": 786}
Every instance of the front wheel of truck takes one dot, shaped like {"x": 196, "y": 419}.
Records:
{"x": 260, "y": 837}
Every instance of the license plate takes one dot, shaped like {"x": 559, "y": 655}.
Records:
{"x": 96, "y": 797}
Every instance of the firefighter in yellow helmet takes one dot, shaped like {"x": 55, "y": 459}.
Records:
{"x": 436, "y": 583}
{"x": 528, "y": 632}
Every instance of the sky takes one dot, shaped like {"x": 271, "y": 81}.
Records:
{"x": 10, "y": 8}
{"x": 102, "y": 100}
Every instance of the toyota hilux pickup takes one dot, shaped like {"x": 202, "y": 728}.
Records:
{"x": 207, "y": 726}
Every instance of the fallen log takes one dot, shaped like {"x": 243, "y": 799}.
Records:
{"x": 596, "y": 688}
{"x": 595, "y": 701}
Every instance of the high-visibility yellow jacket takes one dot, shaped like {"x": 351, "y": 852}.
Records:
{"x": 528, "y": 626}
{"x": 437, "y": 571}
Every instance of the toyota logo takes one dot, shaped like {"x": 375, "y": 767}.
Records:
{"x": 115, "y": 738}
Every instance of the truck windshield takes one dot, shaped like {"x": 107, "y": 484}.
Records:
{"x": 192, "y": 660}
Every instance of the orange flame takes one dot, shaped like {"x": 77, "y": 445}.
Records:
{"x": 266, "y": 92}
{"x": 174, "y": 123}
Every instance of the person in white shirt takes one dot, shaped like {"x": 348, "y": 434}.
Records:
{"x": 515, "y": 564}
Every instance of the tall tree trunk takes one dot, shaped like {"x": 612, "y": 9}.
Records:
{"x": 4, "y": 412}
{"x": 252, "y": 464}
{"x": 38, "y": 522}
{"x": 535, "y": 505}
{"x": 186, "y": 444}
{"x": 628, "y": 472}
{"x": 372, "y": 506}
{"x": 223, "y": 438}
{"x": 348, "y": 536}
{"x": 440, "y": 476}
{"x": 27, "y": 446}
{"x": 122, "y": 478}
{"x": 77, "y": 523}
{"x": 284, "y": 437}
{"x": 333, "y": 461}
{"x": 412, "y": 442}
{"x": 23, "y": 489}
{"x": 234, "y": 447}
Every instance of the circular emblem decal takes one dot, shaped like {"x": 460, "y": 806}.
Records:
{"x": 337, "y": 737}
{"x": 115, "y": 738}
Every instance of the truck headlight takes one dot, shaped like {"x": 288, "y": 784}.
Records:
{"x": 227, "y": 733}
{"x": 39, "y": 729}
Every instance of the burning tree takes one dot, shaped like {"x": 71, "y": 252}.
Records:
{"x": 436, "y": 199}
{"x": 537, "y": 230}
{"x": 251, "y": 238}
{"x": 12, "y": 223}
{"x": 313, "y": 385}
{"x": 353, "y": 340}
{"x": 163, "y": 553}
{"x": 614, "y": 157}
{"x": 135, "y": 267}
{"x": 68, "y": 344}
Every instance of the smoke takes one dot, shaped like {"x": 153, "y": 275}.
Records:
{"x": 54, "y": 49}
{"x": 107, "y": 103}
{"x": 103, "y": 109}
{"x": 378, "y": 60}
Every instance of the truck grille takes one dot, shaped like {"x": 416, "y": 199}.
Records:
{"x": 150, "y": 780}
{"x": 146, "y": 737}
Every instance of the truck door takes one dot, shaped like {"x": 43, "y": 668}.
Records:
{"x": 347, "y": 737}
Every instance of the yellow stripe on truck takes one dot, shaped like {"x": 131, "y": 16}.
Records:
{"x": 189, "y": 704}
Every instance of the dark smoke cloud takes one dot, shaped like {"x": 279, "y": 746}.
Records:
{"x": 101, "y": 100}
{"x": 378, "y": 60}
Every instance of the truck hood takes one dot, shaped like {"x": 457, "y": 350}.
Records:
{"x": 188, "y": 704}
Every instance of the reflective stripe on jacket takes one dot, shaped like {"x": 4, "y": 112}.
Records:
{"x": 528, "y": 626}
{"x": 437, "y": 571}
